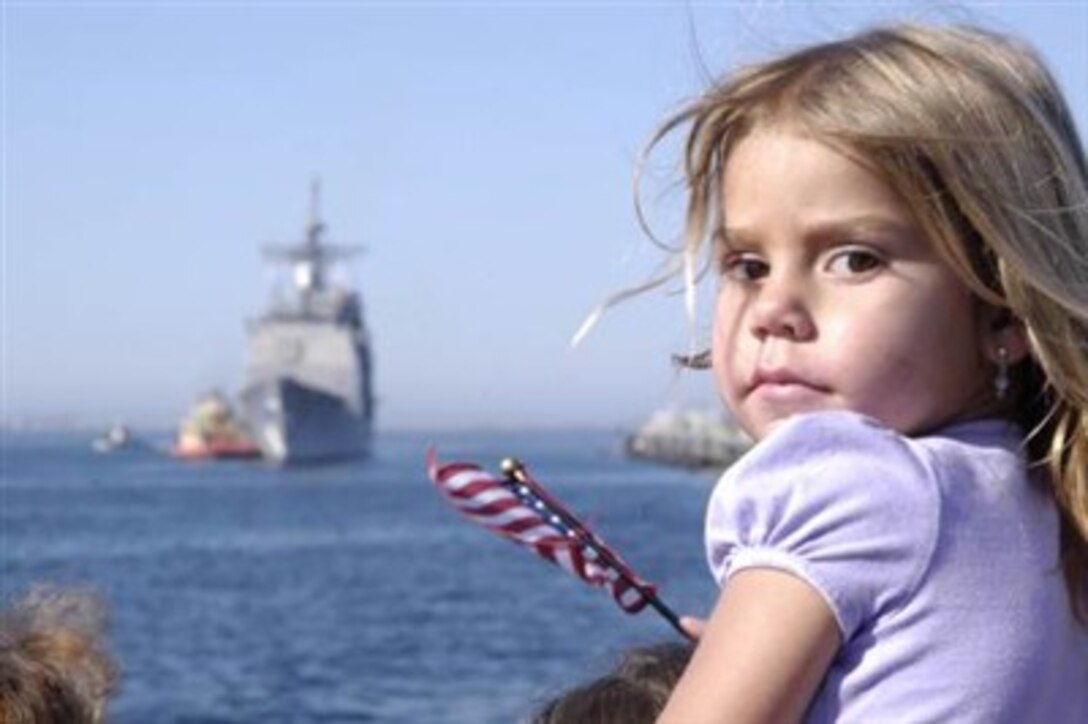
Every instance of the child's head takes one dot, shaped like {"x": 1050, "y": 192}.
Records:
{"x": 53, "y": 666}
{"x": 833, "y": 299}
{"x": 901, "y": 223}
{"x": 635, "y": 692}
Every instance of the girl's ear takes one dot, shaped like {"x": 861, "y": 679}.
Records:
{"x": 1004, "y": 335}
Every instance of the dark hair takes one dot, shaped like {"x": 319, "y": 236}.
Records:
{"x": 635, "y": 692}
{"x": 53, "y": 667}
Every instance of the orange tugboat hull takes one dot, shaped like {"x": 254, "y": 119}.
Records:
{"x": 221, "y": 450}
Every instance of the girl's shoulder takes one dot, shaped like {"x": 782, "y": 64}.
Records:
{"x": 848, "y": 504}
{"x": 829, "y": 464}
{"x": 836, "y": 498}
{"x": 833, "y": 455}
{"x": 838, "y": 440}
{"x": 829, "y": 434}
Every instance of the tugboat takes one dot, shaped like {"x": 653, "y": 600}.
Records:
{"x": 308, "y": 393}
{"x": 211, "y": 432}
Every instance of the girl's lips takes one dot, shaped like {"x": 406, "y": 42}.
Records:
{"x": 787, "y": 391}
{"x": 782, "y": 381}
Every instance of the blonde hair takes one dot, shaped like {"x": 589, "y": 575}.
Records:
{"x": 971, "y": 130}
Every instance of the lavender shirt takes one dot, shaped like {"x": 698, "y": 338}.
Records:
{"x": 938, "y": 557}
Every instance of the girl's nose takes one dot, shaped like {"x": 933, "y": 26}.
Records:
{"x": 781, "y": 311}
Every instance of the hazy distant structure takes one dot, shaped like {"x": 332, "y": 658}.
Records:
{"x": 308, "y": 395}
{"x": 688, "y": 438}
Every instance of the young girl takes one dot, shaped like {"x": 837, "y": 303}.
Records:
{"x": 900, "y": 222}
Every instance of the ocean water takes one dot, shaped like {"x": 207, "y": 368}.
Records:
{"x": 240, "y": 592}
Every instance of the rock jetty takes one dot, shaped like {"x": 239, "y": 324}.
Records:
{"x": 688, "y": 438}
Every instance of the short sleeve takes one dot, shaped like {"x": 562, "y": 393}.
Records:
{"x": 837, "y": 499}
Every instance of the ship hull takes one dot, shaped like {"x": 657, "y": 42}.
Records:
{"x": 296, "y": 423}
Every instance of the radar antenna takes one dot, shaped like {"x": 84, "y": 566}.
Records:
{"x": 311, "y": 258}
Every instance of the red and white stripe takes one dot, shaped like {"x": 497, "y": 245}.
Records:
{"x": 489, "y": 502}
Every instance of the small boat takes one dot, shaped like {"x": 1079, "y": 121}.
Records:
{"x": 211, "y": 432}
{"x": 117, "y": 437}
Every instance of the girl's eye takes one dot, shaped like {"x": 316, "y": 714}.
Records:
{"x": 854, "y": 262}
{"x": 743, "y": 268}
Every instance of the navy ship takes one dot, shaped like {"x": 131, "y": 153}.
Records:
{"x": 308, "y": 396}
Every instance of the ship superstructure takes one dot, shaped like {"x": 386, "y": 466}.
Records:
{"x": 308, "y": 393}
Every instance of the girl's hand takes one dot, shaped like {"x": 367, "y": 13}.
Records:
{"x": 693, "y": 626}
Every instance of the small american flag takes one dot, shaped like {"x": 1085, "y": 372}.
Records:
{"x": 519, "y": 509}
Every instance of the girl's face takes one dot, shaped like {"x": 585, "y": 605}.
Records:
{"x": 831, "y": 298}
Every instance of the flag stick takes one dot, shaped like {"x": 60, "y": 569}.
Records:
{"x": 515, "y": 471}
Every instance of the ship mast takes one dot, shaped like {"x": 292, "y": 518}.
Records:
{"x": 311, "y": 258}
{"x": 314, "y": 229}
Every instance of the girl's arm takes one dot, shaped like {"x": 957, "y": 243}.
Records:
{"x": 762, "y": 655}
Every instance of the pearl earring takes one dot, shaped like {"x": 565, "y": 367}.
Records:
{"x": 1001, "y": 381}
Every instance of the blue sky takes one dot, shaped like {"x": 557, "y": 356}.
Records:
{"x": 481, "y": 152}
